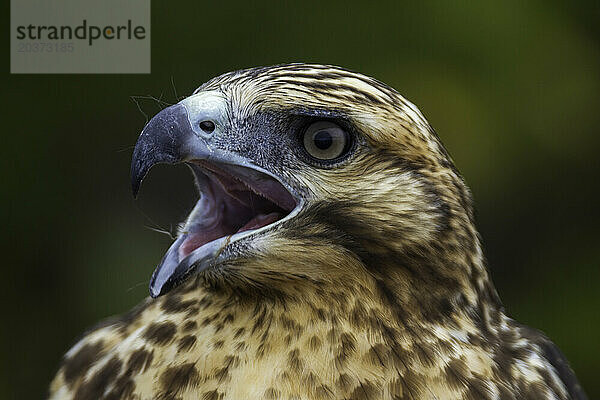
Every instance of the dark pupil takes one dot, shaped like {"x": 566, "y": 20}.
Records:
{"x": 207, "y": 126}
{"x": 323, "y": 140}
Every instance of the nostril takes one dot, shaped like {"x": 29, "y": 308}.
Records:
{"x": 207, "y": 126}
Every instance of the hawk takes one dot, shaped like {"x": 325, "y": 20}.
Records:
{"x": 332, "y": 254}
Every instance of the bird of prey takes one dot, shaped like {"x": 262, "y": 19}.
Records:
{"x": 332, "y": 254}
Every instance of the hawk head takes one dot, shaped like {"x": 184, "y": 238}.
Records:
{"x": 313, "y": 179}
{"x": 332, "y": 253}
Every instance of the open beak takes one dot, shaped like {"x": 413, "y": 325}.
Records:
{"x": 237, "y": 198}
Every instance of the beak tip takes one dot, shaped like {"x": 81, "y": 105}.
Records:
{"x": 135, "y": 187}
{"x": 160, "y": 142}
{"x": 139, "y": 169}
{"x": 157, "y": 289}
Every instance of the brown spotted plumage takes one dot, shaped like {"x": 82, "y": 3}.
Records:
{"x": 338, "y": 259}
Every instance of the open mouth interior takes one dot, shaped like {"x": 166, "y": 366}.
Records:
{"x": 233, "y": 199}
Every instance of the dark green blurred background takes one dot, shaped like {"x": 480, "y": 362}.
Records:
{"x": 512, "y": 88}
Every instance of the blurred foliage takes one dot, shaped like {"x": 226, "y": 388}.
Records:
{"x": 513, "y": 89}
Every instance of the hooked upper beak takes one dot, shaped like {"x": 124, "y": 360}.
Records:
{"x": 167, "y": 139}
{"x": 170, "y": 138}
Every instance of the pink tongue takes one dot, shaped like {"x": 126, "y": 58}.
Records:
{"x": 197, "y": 239}
{"x": 260, "y": 220}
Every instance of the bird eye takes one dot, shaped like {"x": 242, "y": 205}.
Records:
{"x": 207, "y": 126}
{"x": 325, "y": 140}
